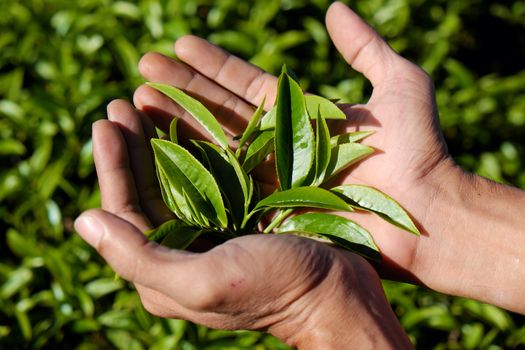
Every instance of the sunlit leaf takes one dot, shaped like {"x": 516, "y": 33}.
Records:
{"x": 344, "y": 155}
{"x": 313, "y": 197}
{"x": 294, "y": 137}
{"x": 328, "y": 109}
{"x": 181, "y": 168}
{"x": 268, "y": 120}
{"x": 12, "y": 147}
{"x": 368, "y": 198}
{"x": 252, "y": 126}
{"x": 261, "y": 146}
{"x": 349, "y": 137}
{"x": 322, "y": 148}
{"x": 196, "y": 109}
{"x": 103, "y": 286}
{"x": 339, "y": 230}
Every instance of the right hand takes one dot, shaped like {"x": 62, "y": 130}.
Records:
{"x": 412, "y": 160}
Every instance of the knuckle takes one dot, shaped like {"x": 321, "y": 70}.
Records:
{"x": 254, "y": 86}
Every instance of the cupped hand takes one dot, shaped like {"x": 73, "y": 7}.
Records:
{"x": 411, "y": 161}
{"x": 297, "y": 289}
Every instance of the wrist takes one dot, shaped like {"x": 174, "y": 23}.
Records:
{"x": 474, "y": 246}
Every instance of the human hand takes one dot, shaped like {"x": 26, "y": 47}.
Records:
{"x": 411, "y": 160}
{"x": 297, "y": 289}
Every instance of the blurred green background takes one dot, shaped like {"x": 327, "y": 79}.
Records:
{"x": 62, "y": 61}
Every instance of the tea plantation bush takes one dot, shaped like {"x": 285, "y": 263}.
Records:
{"x": 62, "y": 61}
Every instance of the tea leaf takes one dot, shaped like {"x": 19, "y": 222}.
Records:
{"x": 258, "y": 150}
{"x": 322, "y": 148}
{"x": 294, "y": 137}
{"x": 173, "y": 130}
{"x": 103, "y": 286}
{"x": 349, "y": 137}
{"x": 184, "y": 171}
{"x": 196, "y": 211}
{"x": 230, "y": 176}
{"x": 158, "y": 233}
{"x": 268, "y": 120}
{"x": 181, "y": 238}
{"x": 174, "y": 234}
{"x": 245, "y": 180}
{"x": 196, "y": 109}
{"x": 173, "y": 193}
{"x": 329, "y": 110}
{"x": 252, "y": 126}
{"x": 12, "y": 147}
{"x": 20, "y": 245}
{"x": 370, "y": 199}
{"x": 168, "y": 193}
{"x": 344, "y": 155}
{"x": 306, "y": 196}
{"x": 15, "y": 281}
{"x": 339, "y": 230}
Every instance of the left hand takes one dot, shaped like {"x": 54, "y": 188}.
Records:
{"x": 299, "y": 290}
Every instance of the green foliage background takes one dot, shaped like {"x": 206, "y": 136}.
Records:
{"x": 62, "y": 61}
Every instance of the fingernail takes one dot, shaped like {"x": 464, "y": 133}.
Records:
{"x": 89, "y": 228}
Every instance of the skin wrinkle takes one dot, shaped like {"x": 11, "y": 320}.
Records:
{"x": 301, "y": 302}
{"x": 362, "y": 52}
{"x": 223, "y": 66}
{"x": 253, "y": 93}
{"x": 186, "y": 45}
{"x": 410, "y": 86}
{"x": 306, "y": 309}
{"x": 444, "y": 260}
{"x": 500, "y": 294}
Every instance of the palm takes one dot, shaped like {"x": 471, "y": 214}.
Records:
{"x": 403, "y": 118}
{"x": 233, "y": 277}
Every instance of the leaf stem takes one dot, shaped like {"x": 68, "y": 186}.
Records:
{"x": 277, "y": 221}
{"x": 246, "y": 218}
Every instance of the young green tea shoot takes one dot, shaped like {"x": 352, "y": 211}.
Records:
{"x": 210, "y": 189}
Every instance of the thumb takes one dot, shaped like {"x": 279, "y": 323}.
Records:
{"x": 361, "y": 46}
{"x": 126, "y": 248}
{"x": 168, "y": 271}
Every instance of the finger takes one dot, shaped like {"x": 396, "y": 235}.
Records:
{"x": 129, "y": 120}
{"x": 236, "y": 75}
{"x": 361, "y": 46}
{"x": 161, "y": 305}
{"x": 126, "y": 249}
{"x": 232, "y": 111}
{"x": 117, "y": 185}
{"x": 162, "y": 110}
{"x": 173, "y": 273}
